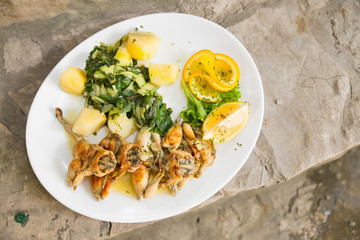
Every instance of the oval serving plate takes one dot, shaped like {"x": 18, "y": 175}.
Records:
{"x": 49, "y": 148}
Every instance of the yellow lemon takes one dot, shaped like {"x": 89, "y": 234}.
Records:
{"x": 226, "y": 121}
{"x": 202, "y": 60}
{"x": 227, "y": 73}
{"x": 202, "y": 90}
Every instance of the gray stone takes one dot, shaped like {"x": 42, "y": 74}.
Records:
{"x": 319, "y": 106}
{"x": 17, "y": 11}
{"x": 313, "y": 205}
{"x": 308, "y": 55}
{"x": 21, "y": 53}
{"x": 24, "y": 96}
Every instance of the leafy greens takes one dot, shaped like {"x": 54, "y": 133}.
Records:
{"x": 197, "y": 110}
{"x": 113, "y": 89}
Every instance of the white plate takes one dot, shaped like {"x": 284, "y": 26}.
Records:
{"x": 182, "y": 35}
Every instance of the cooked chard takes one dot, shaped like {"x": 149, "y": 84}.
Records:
{"x": 116, "y": 85}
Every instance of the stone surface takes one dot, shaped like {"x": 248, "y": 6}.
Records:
{"x": 21, "y": 53}
{"x": 322, "y": 203}
{"x": 308, "y": 55}
{"x": 15, "y": 11}
{"x": 318, "y": 92}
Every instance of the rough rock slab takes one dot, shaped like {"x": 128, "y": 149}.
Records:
{"x": 311, "y": 85}
{"x": 321, "y": 203}
{"x": 307, "y": 52}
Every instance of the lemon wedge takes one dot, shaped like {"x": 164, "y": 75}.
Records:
{"x": 226, "y": 121}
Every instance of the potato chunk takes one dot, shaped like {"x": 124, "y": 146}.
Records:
{"x": 73, "y": 81}
{"x": 124, "y": 57}
{"x": 142, "y": 45}
{"x": 88, "y": 121}
{"x": 161, "y": 74}
{"x": 122, "y": 125}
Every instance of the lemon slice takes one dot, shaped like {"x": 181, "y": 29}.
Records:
{"x": 226, "y": 121}
{"x": 227, "y": 73}
{"x": 203, "y": 61}
{"x": 202, "y": 90}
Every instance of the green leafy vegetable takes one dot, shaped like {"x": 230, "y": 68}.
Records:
{"x": 197, "y": 110}
{"x": 231, "y": 96}
{"x": 151, "y": 111}
{"x": 115, "y": 89}
{"x": 195, "y": 113}
{"x": 99, "y": 56}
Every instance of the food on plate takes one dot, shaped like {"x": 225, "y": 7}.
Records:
{"x": 140, "y": 181}
{"x": 202, "y": 90}
{"x": 122, "y": 93}
{"x": 150, "y": 153}
{"x": 186, "y": 156}
{"x": 142, "y": 45}
{"x": 73, "y": 81}
{"x": 203, "y": 149}
{"x": 224, "y": 122}
{"x": 170, "y": 162}
{"x": 197, "y": 110}
{"x": 213, "y": 96}
{"x": 227, "y": 73}
{"x": 124, "y": 57}
{"x": 203, "y": 61}
{"x": 222, "y": 71}
{"x": 88, "y": 121}
{"x": 173, "y": 137}
{"x": 115, "y": 89}
{"x": 154, "y": 162}
{"x": 89, "y": 159}
{"x": 162, "y": 74}
{"x": 122, "y": 125}
{"x": 157, "y": 163}
{"x": 180, "y": 167}
{"x": 127, "y": 155}
{"x": 179, "y": 164}
{"x": 201, "y": 72}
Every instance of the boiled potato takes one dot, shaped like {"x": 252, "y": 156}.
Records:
{"x": 73, "y": 81}
{"x": 122, "y": 125}
{"x": 124, "y": 57}
{"x": 142, "y": 45}
{"x": 88, "y": 121}
{"x": 161, "y": 74}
